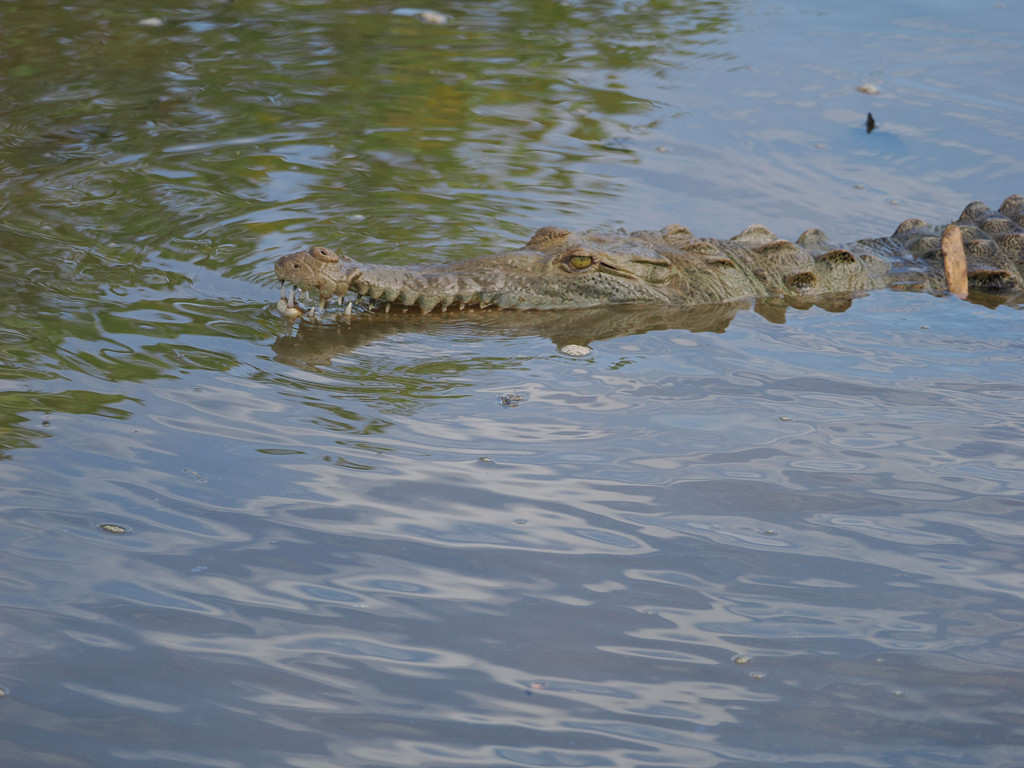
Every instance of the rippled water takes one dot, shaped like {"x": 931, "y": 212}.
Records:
{"x": 717, "y": 540}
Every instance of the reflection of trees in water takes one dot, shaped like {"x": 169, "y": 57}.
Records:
{"x": 139, "y": 164}
{"x": 18, "y": 430}
{"x": 234, "y": 120}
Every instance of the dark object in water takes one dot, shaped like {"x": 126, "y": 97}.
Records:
{"x": 560, "y": 269}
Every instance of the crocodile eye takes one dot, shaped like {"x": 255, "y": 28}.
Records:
{"x": 580, "y": 261}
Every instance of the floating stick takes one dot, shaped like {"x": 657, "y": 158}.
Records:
{"x": 953, "y": 261}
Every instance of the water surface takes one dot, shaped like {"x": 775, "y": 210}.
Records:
{"x": 717, "y": 540}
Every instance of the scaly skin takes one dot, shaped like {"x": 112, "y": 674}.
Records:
{"x": 559, "y": 269}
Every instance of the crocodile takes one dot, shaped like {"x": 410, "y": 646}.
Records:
{"x": 981, "y": 253}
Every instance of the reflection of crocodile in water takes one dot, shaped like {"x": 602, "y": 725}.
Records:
{"x": 317, "y": 344}
{"x": 559, "y": 269}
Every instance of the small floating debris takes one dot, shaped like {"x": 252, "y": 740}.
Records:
{"x": 575, "y": 350}
{"x": 151, "y": 21}
{"x": 426, "y": 16}
{"x": 741, "y": 659}
{"x": 113, "y": 528}
{"x": 511, "y": 400}
{"x": 433, "y": 17}
{"x": 869, "y": 88}
{"x": 619, "y": 144}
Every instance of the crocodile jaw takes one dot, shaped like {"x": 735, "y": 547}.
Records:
{"x": 523, "y": 279}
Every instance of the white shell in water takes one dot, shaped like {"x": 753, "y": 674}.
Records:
{"x": 575, "y": 350}
{"x": 432, "y": 17}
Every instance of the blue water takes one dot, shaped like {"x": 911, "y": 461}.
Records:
{"x": 712, "y": 541}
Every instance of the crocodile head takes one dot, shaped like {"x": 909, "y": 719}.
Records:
{"x": 556, "y": 269}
